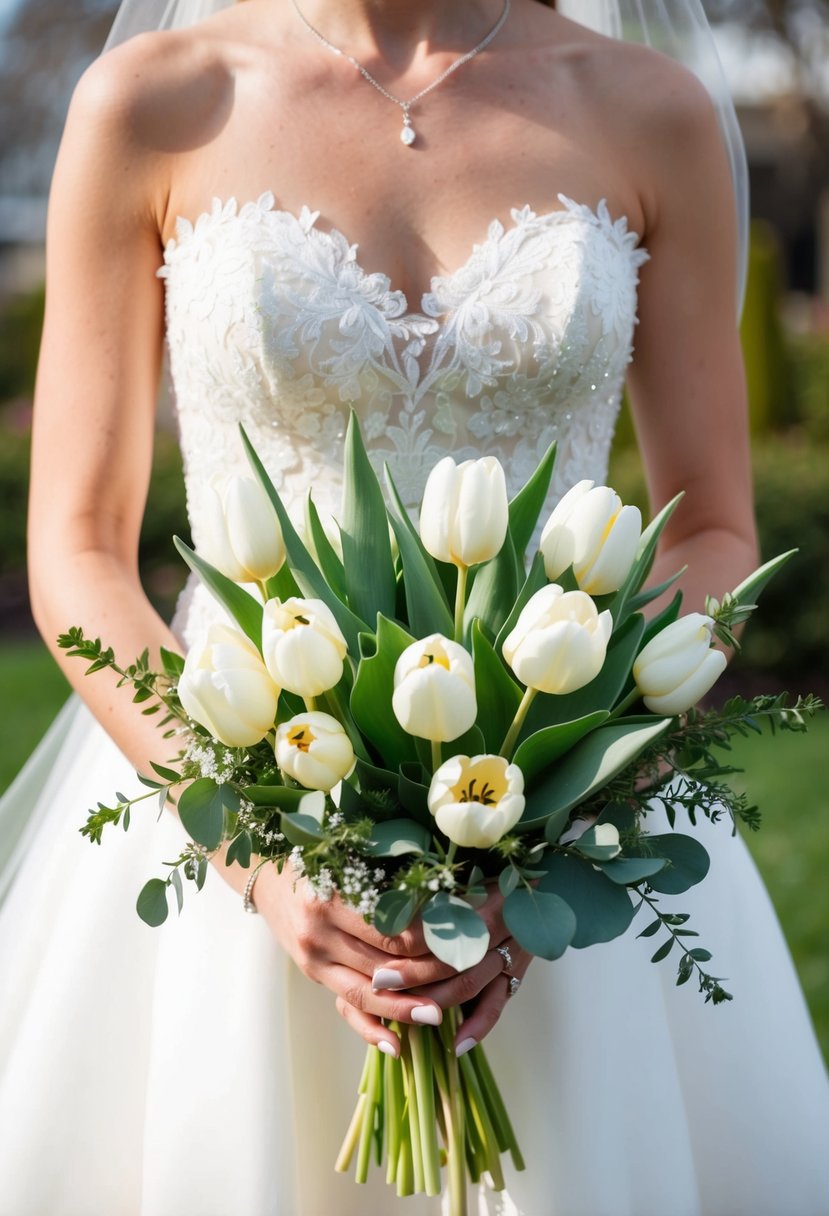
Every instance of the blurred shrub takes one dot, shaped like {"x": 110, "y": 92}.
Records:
{"x": 764, "y": 348}
{"x": 20, "y": 326}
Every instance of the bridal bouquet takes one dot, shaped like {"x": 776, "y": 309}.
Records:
{"x": 410, "y": 716}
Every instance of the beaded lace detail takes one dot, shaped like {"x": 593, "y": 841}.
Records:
{"x": 272, "y": 322}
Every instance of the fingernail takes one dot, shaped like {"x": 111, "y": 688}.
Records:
{"x": 387, "y": 1048}
{"x": 427, "y": 1015}
{"x": 384, "y": 977}
{"x": 464, "y": 1046}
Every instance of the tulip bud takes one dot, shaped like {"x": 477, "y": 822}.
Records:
{"x": 591, "y": 531}
{"x": 477, "y": 800}
{"x": 678, "y": 666}
{"x": 434, "y": 689}
{"x": 314, "y": 750}
{"x": 464, "y": 515}
{"x": 559, "y": 641}
{"x": 242, "y": 536}
{"x": 225, "y": 687}
{"x": 302, "y": 645}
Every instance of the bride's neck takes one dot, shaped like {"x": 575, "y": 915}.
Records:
{"x": 394, "y": 29}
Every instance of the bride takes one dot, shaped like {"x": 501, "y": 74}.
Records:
{"x": 242, "y": 189}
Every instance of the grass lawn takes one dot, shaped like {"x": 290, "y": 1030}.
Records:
{"x": 787, "y": 778}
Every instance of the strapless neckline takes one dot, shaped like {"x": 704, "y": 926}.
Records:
{"x": 374, "y": 283}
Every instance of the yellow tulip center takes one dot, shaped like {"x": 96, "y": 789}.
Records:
{"x": 484, "y": 782}
{"x": 301, "y": 737}
{"x": 429, "y": 659}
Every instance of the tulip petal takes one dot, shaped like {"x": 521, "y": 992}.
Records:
{"x": 696, "y": 686}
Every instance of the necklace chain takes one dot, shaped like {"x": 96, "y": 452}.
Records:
{"x": 407, "y": 135}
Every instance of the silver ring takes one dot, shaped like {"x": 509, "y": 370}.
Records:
{"x": 514, "y": 985}
{"x": 507, "y": 957}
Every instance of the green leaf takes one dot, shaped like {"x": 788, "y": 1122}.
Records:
{"x": 454, "y": 932}
{"x": 587, "y": 768}
{"x": 372, "y": 694}
{"x": 646, "y": 552}
{"x": 426, "y": 604}
{"x": 589, "y": 846}
{"x": 652, "y": 928}
{"x": 667, "y": 616}
{"x": 203, "y": 808}
{"x": 327, "y": 556}
{"x": 689, "y": 861}
{"x": 494, "y": 590}
{"x": 172, "y": 663}
{"x": 394, "y": 912}
{"x": 470, "y": 743}
{"x": 750, "y": 588}
{"x": 151, "y": 904}
{"x": 245, "y": 610}
{"x": 240, "y": 851}
{"x": 544, "y": 747}
{"x": 301, "y": 829}
{"x": 603, "y": 911}
{"x": 663, "y": 951}
{"x": 602, "y": 693}
{"x": 169, "y": 774}
{"x": 396, "y": 837}
{"x": 364, "y": 527}
{"x": 535, "y": 580}
{"x": 413, "y": 793}
{"x": 528, "y": 503}
{"x": 497, "y": 693}
{"x": 508, "y": 880}
{"x": 650, "y": 594}
{"x": 175, "y": 883}
{"x": 281, "y": 797}
{"x": 307, "y": 572}
{"x": 701, "y": 955}
{"x": 629, "y": 870}
{"x": 540, "y": 922}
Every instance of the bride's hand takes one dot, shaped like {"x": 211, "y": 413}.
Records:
{"x": 377, "y": 978}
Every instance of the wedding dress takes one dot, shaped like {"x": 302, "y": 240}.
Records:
{"x": 192, "y": 1070}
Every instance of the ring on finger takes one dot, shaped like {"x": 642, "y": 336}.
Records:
{"x": 513, "y": 986}
{"x": 507, "y": 957}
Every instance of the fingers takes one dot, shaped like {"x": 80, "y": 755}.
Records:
{"x": 356, "y": 990}
{"x": 490, "y": 1004}
{"x": 408, "y": 944}
{"x": 369, "y": 1028}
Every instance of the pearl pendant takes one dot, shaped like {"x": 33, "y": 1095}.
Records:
{"x": 407, "y": 135}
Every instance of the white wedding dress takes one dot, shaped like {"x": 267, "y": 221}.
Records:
{"x": 192, "y": 1070}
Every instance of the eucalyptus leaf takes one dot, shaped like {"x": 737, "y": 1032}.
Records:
{"x": 245, "y": 610}
{"x": 663, "y": 951}
{"x": 689, "y": 861}
{"x": 541, "y": 922}
{"x": 203, "y": 807}
{"x": 394, "y": 912}
{"x": 397, "y": 837}
{"x": 364, "y": 528}
{"x": 301, "y": 829}
{"x": 240, "y": 850}
{"x": 630, "y": 870}
{"x": 454, "y": 931}
{"x": 175, "y": 883}
{"x": 151, "y": 904}
{"x": 602, "y": 909}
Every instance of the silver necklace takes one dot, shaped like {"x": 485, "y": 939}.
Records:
{"x": 408, "y": 134}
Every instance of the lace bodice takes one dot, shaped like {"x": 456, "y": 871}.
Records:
{"x": 272, "y": 322}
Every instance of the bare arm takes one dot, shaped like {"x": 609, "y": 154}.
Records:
{"x": 686, "y": 382}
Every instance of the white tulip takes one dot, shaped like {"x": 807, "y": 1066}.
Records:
{"x": 559, "y": 641}
{"x": 302, "y": 645}
{"x": 314, "y": 750}
{"x": 225, "y": 687}
{"x": 594, "y": 533}
{"x": 434, "y": 689}
{"x": 477, "y": 800}
{"x": 242, "y": 536}
{"x": 679, "y": 666}
{"x": 464, "y": 515}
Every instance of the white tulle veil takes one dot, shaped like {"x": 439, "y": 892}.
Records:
{"x": 678, "y": 28}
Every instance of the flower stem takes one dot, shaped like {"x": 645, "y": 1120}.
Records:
{"x": 437, "y": 756}
{"x": 460, "y": 601}
{"x": 517, "y": 722}
{"x": 310, "y": 704}
{"x": 420, "y": 1041}
{"x": 455, "y": 1131}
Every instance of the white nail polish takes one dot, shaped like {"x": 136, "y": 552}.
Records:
{"x": 387, "y": 1048}
{"x": 384, "y": 977}
{"x": 427, "y": 1015}
{"x": 464, "y": 1046}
